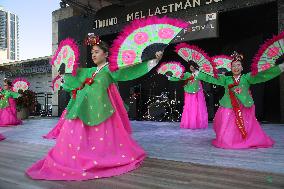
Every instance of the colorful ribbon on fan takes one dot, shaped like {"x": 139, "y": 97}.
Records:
{"x": 237, "y": 110}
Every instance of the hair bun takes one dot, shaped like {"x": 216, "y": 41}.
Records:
{"x": 92, "y": 39}
{"x": 7, "y": 81}
{"x": 237, "y": 57}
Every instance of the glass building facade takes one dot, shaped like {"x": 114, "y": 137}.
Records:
{"x": 9, "y": 34}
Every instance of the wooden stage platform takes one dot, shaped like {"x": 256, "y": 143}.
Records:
{"x": 24, "y": 146}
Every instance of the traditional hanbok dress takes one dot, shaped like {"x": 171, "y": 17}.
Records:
{"x": 194, "y": 115}
{"x": 235, "y": 124}
{"x": 95, "y": 139}
{"x": 8, "y": 111}
{"x": 53, "y": 133}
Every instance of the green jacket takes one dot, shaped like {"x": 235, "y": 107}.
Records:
{"x": 92, "y": 104}
{"x": 241, "y": 91}
{"x": 4, "y": 103}
{"x": 191, "y": 86}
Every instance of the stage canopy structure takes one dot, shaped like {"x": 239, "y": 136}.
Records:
{"x": 91, "y": 7}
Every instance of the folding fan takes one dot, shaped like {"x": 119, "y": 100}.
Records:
{"x": 20, "y": 84}
{"x": 222, "y": 62}
{"x": 268, "y": 54}
{"x": 193, "y": 53}
{"x": 66, "y": 57}
{"x": 57, "y": 83}
{"x": 141, "y": 39}
{"x": 176, "y": 68}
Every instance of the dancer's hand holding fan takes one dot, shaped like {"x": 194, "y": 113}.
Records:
{"x": 171, "y": 69}
{"x": 195, "y": 54}
{"x": 66, "y": 58}
{"x": 222, "y": 63}
{"x": 65, "y": 61}
{"x": 57, "y": 83}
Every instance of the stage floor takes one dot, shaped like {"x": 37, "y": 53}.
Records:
{"x": 162, "y": 141}
{"x": 165, "y": 140}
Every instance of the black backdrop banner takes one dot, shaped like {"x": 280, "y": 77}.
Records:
{"x": 111, "y": 19}
{"x": 202, "y": 26}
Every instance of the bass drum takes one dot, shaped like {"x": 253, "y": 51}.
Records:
{"x": 158, "y": 110}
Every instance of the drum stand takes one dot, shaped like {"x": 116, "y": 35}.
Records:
{"x": 161, "y": 108}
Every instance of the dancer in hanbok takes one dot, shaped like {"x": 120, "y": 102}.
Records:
{"x": 194, "y": 115}
{"x": 95, "y": 138}
{"x": 8, "y": 111}
{"x": 235, "y": 124}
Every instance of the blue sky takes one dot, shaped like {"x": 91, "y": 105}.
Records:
{"x": 35, "y": 24}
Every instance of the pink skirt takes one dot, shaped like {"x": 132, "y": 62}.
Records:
{"x": 53, "y": 134}
{"x": 2, "y": 137}
{"x": 82, "y": 152}
{"x": 228, "y": 135}
{"x": 194, "y": 115}
{"x": 8, "y": 115}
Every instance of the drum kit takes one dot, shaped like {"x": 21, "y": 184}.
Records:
{"x": 161, "y": 108}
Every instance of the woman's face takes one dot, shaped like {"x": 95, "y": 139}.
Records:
{"x": 237, "y": 68}
{"x": 6, "y": 86}
{"x": 191, "y": 68}
{"x": 98, "y": 55}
